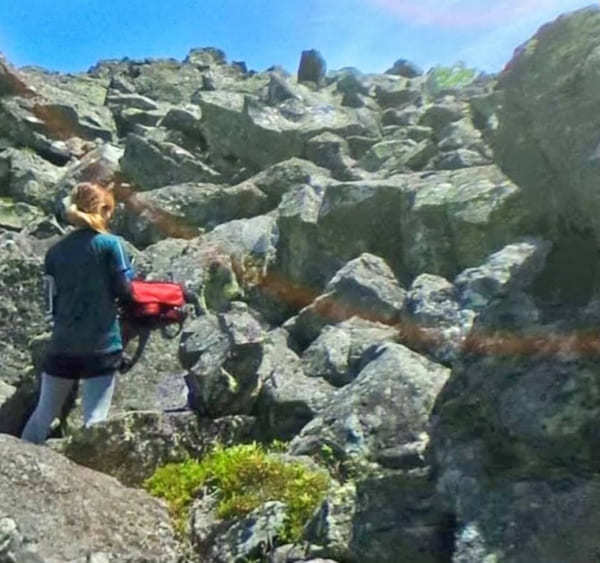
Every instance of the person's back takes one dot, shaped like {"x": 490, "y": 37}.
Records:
{"x": 83, "y": 266}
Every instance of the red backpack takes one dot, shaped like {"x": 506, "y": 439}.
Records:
{"x": 154, "y": 304}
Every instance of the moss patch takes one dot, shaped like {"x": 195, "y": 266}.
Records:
{"x": 243, "y": 477}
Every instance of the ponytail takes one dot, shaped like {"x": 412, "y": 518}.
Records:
{"x": 91, "y": 206}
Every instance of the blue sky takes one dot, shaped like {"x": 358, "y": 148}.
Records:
{"x": 72, "y": 35}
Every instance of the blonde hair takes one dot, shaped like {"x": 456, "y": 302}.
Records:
{"x": 91, "y": 206}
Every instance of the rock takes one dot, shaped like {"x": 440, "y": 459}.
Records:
{"x": 405, "y": 68}
{"x": 284, "y": 176}
{"x": 238, "y": 540}
{"x": 28, "y": 178}
{"x": 512, "y": 525}
{"x": 152, "y": 164}
{"x": 206, "y": 56}
{"x": 223, "y": 370}
{"x": 360, "y": 145}
{"x": 350, "y": 83}
{"x": 166, "y": 80}
{"x": 545, "y": 139}
{"x": 397, "y": 93}
{"x": 336, "y": 354}
{"x": 288, "y": 398}
{"x": 397, "y": 155}
{"x": 435, "y": 321}
{"x": 466, "y": 207}
{"x": 21, "y": 285}
{"x": 312, "y": 67}
{"x": 358, "y": 523}
{"x": 47, "y": 497}
{"x": 184, "y": 210}
{"x": 132, "y": 446}
{"x": 16, "y": 216}
{"x": 186, "y": 119}
{"x": 388, "y": 404}
{"x": 460, "y": 158}
{"x": 440, "y": 115}
{"x": 332, "y": 152}
{"x": 278, "y": 90}
{"x": 11, "y": 84}
{"x": 365, "y": 287}
{"x": 511, "y": 269}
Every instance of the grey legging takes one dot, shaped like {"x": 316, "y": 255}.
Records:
{"x": 97, "y": 396}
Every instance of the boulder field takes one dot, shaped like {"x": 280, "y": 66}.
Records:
{"x": 401, "y": 281}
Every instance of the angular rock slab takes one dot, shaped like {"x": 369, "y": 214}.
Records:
{"x": 365, "y": 287}
{"x": 288, "y": 398}
{"x": 70, "y": 512}
{"x": 132, "y": 446}
{"x": 383, "y": 519}
{"x": 222, "y": 354}
{"x": 388, "y": 404}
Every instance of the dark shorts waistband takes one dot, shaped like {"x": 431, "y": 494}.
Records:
{"x": 81, "y": 367}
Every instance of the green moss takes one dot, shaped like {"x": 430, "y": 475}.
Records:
{"x": 243, "y": 477}
{"x": 442, "y": 78}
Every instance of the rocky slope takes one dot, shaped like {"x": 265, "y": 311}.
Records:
{"x": 398, "y": 272}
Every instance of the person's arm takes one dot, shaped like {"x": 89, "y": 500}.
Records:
{"x": 50, "y": 291}
{"x": 121, "y": 271}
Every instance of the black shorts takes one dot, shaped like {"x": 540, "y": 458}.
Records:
{"x": 81, "y": 367}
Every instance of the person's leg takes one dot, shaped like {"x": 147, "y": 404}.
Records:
{"x": 53, "y": 393}
{"x": 97, "y": 397}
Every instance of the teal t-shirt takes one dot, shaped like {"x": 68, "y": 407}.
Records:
{"x": 85, "y": 266}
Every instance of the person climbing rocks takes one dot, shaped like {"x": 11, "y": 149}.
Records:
{"x": 86, "y": 273}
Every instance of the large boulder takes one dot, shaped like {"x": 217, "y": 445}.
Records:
{"x": 21, "y": 308}
{"x": 182, "y": 210}
{"x": 388, "y": 405}
{"x": 288, "y": 398}
{"x": 222, "y": 355}
{"x": 336, "y": 354}
{"x": 365, "y": 287}
{"x": 28, "y": 178}
{"x": 132, "y": 446}
{"x": 64, "y": 512}
{"x": 155, "y": 162}
{"x": 545, "y": 139}
{"x": 312, "y": 67}
{"x": 357, "y": 521}
{"x": 457, "y": 218}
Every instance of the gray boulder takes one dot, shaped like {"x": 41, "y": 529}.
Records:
{"x": 357, "y": 521}
{"x": 387, "y": 405}
{"x": 48, "y": 497}
{"x": 405, "y": 68}
{"x": 312, "y": 67}
{"x": 288, "y": 398}
{"x": 337, "y": 352}
{"x": 458, "y": 218}
{"x": 435, "y": 321}
{"x": 223, "y": 373}
{"x": 332, "y": 152}
{"x": 153, "y": 163}
{"x": 28, "y": 178}
{"x": 21, "y": 285}
{"x": 511, "y": 524}
{"x": 185, "y": 210}
{"x": 546, "y": 135}
{"x": 513, "y": 268}
{"x": 132, "y": 446}
{"x": 284, "y": 176}
{"x": 365, "y": 287}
